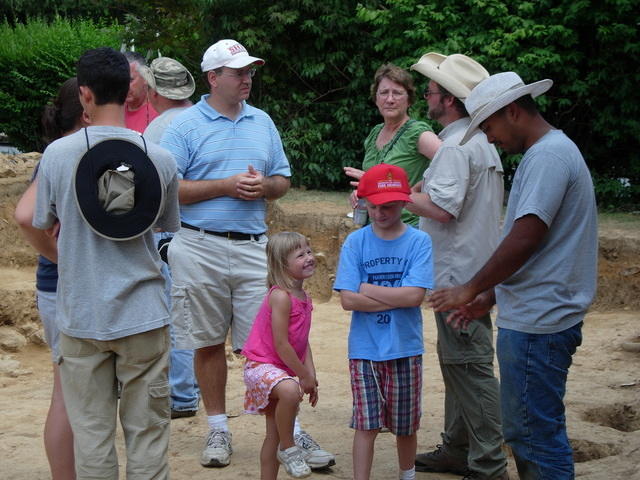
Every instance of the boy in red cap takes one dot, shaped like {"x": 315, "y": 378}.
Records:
{"x": 384, "y": 271}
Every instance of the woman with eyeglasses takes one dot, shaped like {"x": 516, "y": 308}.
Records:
{"x": 399, "y": 140}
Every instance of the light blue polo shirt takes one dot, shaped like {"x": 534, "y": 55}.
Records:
{"x": 210, "y": 146}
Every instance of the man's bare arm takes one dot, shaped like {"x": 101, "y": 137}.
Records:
{"x": 194, "y": 191}
{"x": 249, "y": 185}
{"x": 275, "y": 187}
{"x": 521, "y": 242}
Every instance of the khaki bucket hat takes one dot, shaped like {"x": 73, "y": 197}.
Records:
{"x": 169, "y": 78}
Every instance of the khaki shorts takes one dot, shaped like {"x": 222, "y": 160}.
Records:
{"x": 218, "y": 284}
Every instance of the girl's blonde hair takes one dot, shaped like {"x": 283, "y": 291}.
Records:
{"x": 278, "y": 249}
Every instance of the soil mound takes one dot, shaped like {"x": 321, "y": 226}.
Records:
{"x": 323, "y": 221}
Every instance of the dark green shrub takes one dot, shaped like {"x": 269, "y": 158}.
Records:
{"x": 35, "y": 58}
{"x": 20, "y": 11}
{"x": 321, "y": 57}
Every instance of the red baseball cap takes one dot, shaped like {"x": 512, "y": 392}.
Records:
{"x": 384, "y": 183}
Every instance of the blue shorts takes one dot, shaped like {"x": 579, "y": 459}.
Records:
{"x": 46, "y": 302}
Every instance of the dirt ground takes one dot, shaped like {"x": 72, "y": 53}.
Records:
{"x": 603, "y": 397}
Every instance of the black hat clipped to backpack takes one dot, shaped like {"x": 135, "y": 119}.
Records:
{"x": 118, "y": 189}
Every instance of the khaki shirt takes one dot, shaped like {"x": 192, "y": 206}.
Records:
{"x": 466, "y": 181}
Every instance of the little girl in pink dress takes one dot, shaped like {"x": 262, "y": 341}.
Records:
{"x": 279, "y": 369}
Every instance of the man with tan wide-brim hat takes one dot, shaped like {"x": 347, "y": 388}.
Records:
{"x": 170, "y": 87}
{"x": 460, "y": 203}
{"x": 542, "y": 275}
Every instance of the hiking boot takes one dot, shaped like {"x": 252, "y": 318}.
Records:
{"x": 292, "y": 459}
{"x": 314, "y": 455}
{"x": 217, "y": 450}
{"x": 183, "y": 413}
{"x": 440, "y": 461}
{"x": 476, "y": 476}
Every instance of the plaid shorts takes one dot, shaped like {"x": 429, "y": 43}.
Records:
{"x": 387, "y": 394}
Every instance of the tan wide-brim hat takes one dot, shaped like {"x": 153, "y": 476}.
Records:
{"x": 169, "y": 78}
{"x": 457, "y": 73}
{"x": 496, "y": 92}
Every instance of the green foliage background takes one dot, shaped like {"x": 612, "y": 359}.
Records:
{"x": 35, "y": 59}
{"x": 321, "y": 57}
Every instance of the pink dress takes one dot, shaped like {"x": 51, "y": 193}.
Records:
{"x": 264, "y": 369}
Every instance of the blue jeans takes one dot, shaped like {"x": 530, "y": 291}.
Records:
{"x": 533, "y": 378}
{"x": 185, "y": 393}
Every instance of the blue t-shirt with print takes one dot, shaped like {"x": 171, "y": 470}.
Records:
{"x": 402, "y": 262}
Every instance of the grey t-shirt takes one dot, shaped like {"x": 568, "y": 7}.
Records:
{"x": 106, "y": 289}
{"x": 158, "y": 125}
{"x": 553, "y": 289}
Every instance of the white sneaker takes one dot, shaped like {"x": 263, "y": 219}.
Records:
{"x": 314, "y": 455}
{"x": 217, "y": 449}
{"x": 292, "y": 459}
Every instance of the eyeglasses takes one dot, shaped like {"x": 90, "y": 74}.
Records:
{"x": 239, "y": 73}
{"x": 393, "y": 93}
{"x": 428, "y": 93}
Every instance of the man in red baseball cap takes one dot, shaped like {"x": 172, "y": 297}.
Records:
{"x": 384, "y": 271}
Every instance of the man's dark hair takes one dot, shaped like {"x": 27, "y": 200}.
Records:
{"x": 106, "y": 73}
{"x": 457, "y": 104}
{"x": 528, "y": 104}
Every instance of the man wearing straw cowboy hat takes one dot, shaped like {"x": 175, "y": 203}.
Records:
{"x": 542, "y": 275}
{"x": 460, "y": 205}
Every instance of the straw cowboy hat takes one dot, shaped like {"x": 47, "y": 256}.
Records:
{"x": 495, "y": 92}
{"x": 457, "y": 73}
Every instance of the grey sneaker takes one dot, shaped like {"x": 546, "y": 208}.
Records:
{"x": 217, "y": 449}
{"x": 314, "y": 455}
{"x": 292, "y": 459}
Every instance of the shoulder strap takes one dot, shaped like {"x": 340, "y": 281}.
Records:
{"x": 144, "y": 142}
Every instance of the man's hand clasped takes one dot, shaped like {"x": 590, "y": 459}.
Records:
{"x": 250, "y": 184}
{"x": 463, "y": 304}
